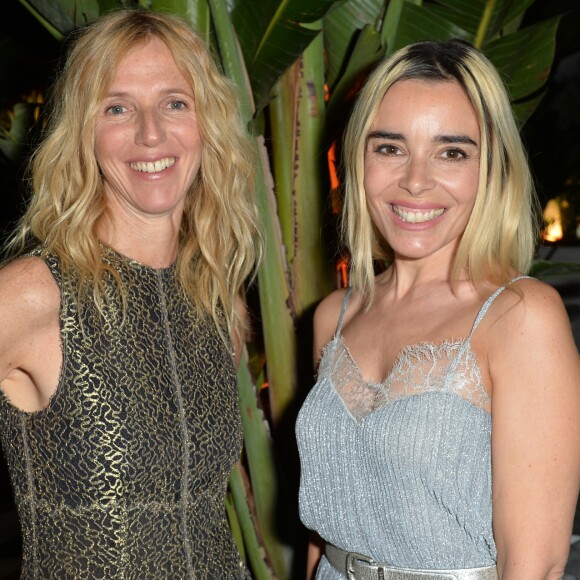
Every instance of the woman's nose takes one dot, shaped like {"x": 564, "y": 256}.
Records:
{"x": 417, "y": 175}
{"x": 150, "y": 129}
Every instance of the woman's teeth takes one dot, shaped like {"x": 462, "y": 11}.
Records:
{"x": 153, "y": 166}
{"x": 417, "y": 216}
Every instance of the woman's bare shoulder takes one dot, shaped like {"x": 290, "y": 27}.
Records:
{"x": 327, "y": 315}
{"x": 29, "y": 307}
{"x": 530, "y": 303}
{"x": 26, "y": 285}
{"x": 530, "y": 328}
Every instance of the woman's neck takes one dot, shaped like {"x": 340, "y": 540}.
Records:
{"x": 152, "y": 243}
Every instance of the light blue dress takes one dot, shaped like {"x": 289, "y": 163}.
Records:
{"x": 400, "y": 471}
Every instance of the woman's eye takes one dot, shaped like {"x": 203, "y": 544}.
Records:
{"x": 116, "y": 110}
{"x": 177, "y": 105}
{"x": 454, "y": 154}
{"x": 388, "y": 150}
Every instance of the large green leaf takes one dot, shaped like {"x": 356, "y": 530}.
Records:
{"x": 391, "y": 22}
{"x": 487, "y": 16}
{"x": 276, "y": 55}
{"x": 272, "y": 37}
{"x": 260, "y": 459}
{"x": 194, "y": 12}
{"x": 425, "y": 23}
{"x": 108, "y": 5}
{"x": 62, "y": 16}
{"x": 245, "y": 518}
{"x": 297, "y": 114}
{"x": 275, "y": 294}
{"x": 367, "y": 51}
{"x": 525, "y": 57}
{"x": 342, "y": 26}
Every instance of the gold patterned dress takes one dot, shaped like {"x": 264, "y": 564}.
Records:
{"x": 123, "y": 474}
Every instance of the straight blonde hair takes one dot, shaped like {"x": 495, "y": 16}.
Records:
{"x": 501, "y": 234}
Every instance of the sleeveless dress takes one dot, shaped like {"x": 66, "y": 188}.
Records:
{"x": 400, "y": 471}
{"x": 123, "y": 474}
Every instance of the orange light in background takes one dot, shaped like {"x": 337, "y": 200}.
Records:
{"x": 334, "y": 183}
{"x": 553, "y": 219}
{"x": 342, "y": 271}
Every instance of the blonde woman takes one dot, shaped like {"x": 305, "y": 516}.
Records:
{"x": 442, "y": 439}
{"x": 121, "y": 312}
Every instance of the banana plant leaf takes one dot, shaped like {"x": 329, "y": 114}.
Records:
{"x": 342, "y": 26}
{"x": 353, "y": 52}
{"x": 485, "y": 16}
{"x": 60, "y": 17}
{"x": 367, "y": 50}
{"x": 278, "y": 324}
{"x": 523, "y": 58}
{"x": 195, "y": 12}
{"x": 264, "y": 483}
{"x": 424, "y": 22}
{"x": 272, "y": 37}
{"x": 297, "y": 114}
{"x": 244, "y": 522}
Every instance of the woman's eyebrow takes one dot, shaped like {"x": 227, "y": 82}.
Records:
{"x": 166, "y": 91}
{"x": 386, "y": 135}
{"x": 455, "y": 139}
{"x": 438, "y": 139}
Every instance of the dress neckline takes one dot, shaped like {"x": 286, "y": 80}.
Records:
{"x": 112, "y": 253}
{"x": 416, "y": 348}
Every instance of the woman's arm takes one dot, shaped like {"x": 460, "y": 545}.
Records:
{"x": 315, "y": 551}
{"x": 325, "y": 323}
{"x": 30, "y": 351}
{"x": 535, "y": 373}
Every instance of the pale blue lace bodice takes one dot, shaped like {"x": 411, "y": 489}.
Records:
{"x": 400, "y": 470}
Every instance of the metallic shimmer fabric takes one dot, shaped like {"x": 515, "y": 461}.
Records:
{"x": 123, "y": 474}
{"x": 359, "y": 567}
{"x": 400, "y": 471}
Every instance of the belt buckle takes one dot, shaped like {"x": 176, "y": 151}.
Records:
{"x": 353, "y": 557}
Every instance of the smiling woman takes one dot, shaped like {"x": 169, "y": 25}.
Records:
{"x": 147, "y": 142}
{"x": 421, "y": 169}
{"x": 441, "y": 439}
{"x": 122, "y": 307}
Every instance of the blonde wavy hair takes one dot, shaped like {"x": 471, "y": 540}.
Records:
{"x": 219, "y": 240}
{"x": 501, "y": 234}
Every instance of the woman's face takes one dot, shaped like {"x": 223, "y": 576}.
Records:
{"x": 422, "y": 168}
{"x": 147, "y": 143}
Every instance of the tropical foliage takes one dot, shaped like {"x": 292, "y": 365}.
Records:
{"x": 297, "y": 64}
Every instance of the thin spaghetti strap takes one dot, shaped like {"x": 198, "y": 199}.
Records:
{"x": 483, "y": 310}
{"x": 343, "y": 310}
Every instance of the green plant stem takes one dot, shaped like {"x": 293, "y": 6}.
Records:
{"x": 484, "y": 23}
{"x": 240, "y": 494}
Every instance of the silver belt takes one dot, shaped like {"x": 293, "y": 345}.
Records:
{"x": 358, "y": 567}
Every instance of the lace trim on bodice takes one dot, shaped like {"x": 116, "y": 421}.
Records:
{"x": 419, "y": 368}
{"x": 424, "y": 367}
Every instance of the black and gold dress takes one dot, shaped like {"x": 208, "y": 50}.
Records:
{"x": 123, "y": 474}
